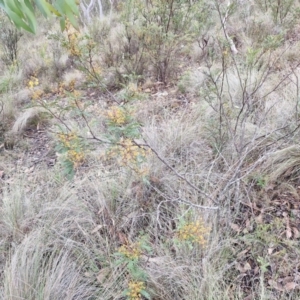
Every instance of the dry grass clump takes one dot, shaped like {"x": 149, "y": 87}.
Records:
{"x": 28, "y": 118}
{"x": 22, "y": 97}
{"x": 191, "y": 81}
{"x": 7, "y": 110}
{"x": 39, "y": 269}
{"x": 73, "y": 76}
{"x": 282, "y": 163}
{"x": 49, "y": 259}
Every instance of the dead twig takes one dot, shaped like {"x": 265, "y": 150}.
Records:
{"x": 177, "y": 174}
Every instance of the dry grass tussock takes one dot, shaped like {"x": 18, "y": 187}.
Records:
{"x": 119, "y": 186}
{"x": 27, "y": 118}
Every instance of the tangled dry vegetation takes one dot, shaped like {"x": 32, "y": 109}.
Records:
{"x": 153, "y": 154}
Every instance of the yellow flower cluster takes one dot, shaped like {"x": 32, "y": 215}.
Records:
{"x": 132, "y": 90}
{"x": 131, "y": 251}
{"x": 134, "y": 290}
{"x": 129, "y": 152}
{"x": 142, "y": 171}
{"x": 76, "y": 94}
{"x": 116, "y": 115}
{"x": 71, "y": 86}
{"x": 76, "y": 157}
{"x": 33, "y": 82}
{"x": 35, "y": 95}
{"x": 73, "y": 41}
{"x": 60, "y": 90}
{"x": 72, "y": 45}
{"x": 74, "y": 50}
{"x": 74, "y": 151}
{"x": 67, "y": 139}
{"x": 130, "y": 155}
{"x": 194, "y": 232}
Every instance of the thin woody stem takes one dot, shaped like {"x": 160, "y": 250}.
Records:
{"x": 177, "y": 174}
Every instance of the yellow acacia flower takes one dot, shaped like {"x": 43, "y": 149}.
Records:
{"x": 131, "y": 251}
{"x": 37, "y": 94}
{"x": 71, "y": 142}
{"x": 116, "y": 115}
{"x": 134, "y": 290}
{"x": 195, "y": 231}
{"x": 32, "y": 82}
